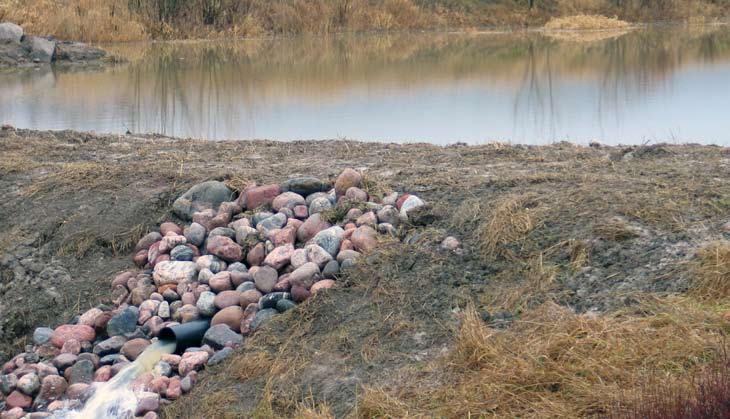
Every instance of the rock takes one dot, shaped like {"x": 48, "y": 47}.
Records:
{"x": 93, "y": 358}
{"x": 282, "y": 236}
{"x": 352, "y": 215}
{"x": 304, "y": 186}
{"x": 284, "y": 305}
{"x": 322, "y": 285}
{"x": 313, "y": 225}
{"x": 265, "y": 279}
{"x": 271, "y": 223}
{"x": 249, "y": 297}
{"x": 320, "y": 204}
{"x": 331, "y": 269}
{"x": 41, "y": 49}
{"x": 42, "y": 335}
{"x": 110, "y": 346}
{"x": 369, "y": 219}
{"x": 229, "y": 316}
{"x": 77, "y": 52}
{"x": 225, "y": 248}
{"x": 195, "y": 234}
{"x": 8, "y": 383}
{"x": 206, "y": 304}
{"x": 18, "y": 399}
{"x": 450, "y": 243}
{"x": 14, "y": 413}
{"x": 409, "y": 204}
{"x": 211, "y": 263}
{"x": 164, "y": 310}
{"x": 329, "y": 239}
{"x": 71, "y": 346}
{"x": 388, "y": 214}
{"x": 305, "y": 275}
{"x": 89, "y": 317}
{"x": 298, "y": 258}
{"x": 53, "y": 388}
{"x": 169, "y": 227}
{"x": 29, "y": 384}
{"x": 365, "y": 238}
{"x": 255, "y": 197}
{"x": 148, "y": 240}
{"x": 287, "y": 200}
{"x": 222, "y": 231}
{"x": 221, "y": 282}
{"x": 10, "y": 32}
{"x": 261, "y": 317}
{"x": 301, "y": 212}
{"x": 206, "y": 195}
{"x": 356, "y": 194}
{"x": 221, "y": 335}
{"x": 174, "y": 272}
{"x": 299, "y": 293}
{"x": 227, "y": 299}
{"x": 192, "y": 361}
{"x": 317, "y": 255}
{"x": 81, "y": 372}
{"x": 220, "y": 356}
{"x": 141, "y": 293}
{"x": 347, "y": 255}
{"x": 270, "y": 300}
{"x": 245, "y": 234}
{"x": 147, "y": 402}
{"x": 133, "y": 348}
{"x": 64, "y": 361}
{"x": 66, "y": 332}
{"x": 181, "y": 253}
{"x": 123, "y": 322}
{"x": 347, "y": 179}
{"x": 279, "y": 257}
{"x": 390, "y": 199}
{"x": 256, "y": 255}
{"x": 162, "y": 369}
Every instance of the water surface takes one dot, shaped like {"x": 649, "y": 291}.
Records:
{"x": 650, "y": 85}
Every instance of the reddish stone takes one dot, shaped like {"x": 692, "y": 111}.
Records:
{"x": 227, "y": 299}
{"x": 18, "y": 399}
{"x": 172, "y": 359}
{"x": 299, "y": 294}
{"x": 102, "y": 319}
{"x": 162, "y": 288}
{"x": 311, "y": 227}
{"x": 346, "y": 245}
{"x": 224, "y": 248}
{"x": 174, "y": 389}
{"x": 369, "y": 218}
{"x": 347, "y": 179}
{"x": 249, "y": 297}
{"x": 67, "y": 332}
{"x": 14, "y": 413}
{"x": 122, "y": 278}
{"x": 322, "y": 285}
{"x": 238, "y": 278}
{"x": 280, "y": 256}
{"x": 283, "y": 285}
{"x": 256, "y": 255}
{"x": 260, "y": 195}
{"x": 248, "y": 314}
{"x": 230, "y": 316}
{"x": 301, "y": 211}
{"x": 133, "y": 348}
{"x": 169, "y": 227}
{"x": 103, "y": 374}
{"x": 52, "y": 388}
{"x": 293, "y": 222}
{"x": 221, "y": 282}
{"x": 231, "y": 208}
{"x": 147, "y": 402}
{"x": 158, "y": 384}
{"x": 356, "y": 194}
{"x": 399, "y": 202}
{"x": 71, "y": 346}
{"x": 281, "y": 236}
{"x": 204, "y": 217}
{"x": 191, "y": 361}
{"x": 89, "y": 317}
{"x": 365, "y": 238}
{"x": 140, "y": 258}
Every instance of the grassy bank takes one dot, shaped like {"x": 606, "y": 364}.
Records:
{"x": 587, "y": 274}
{"x": 109, "y": 20}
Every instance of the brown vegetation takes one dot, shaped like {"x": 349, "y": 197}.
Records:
{"x": 108, "y": 20}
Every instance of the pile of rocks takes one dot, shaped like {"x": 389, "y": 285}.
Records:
{"x": 16, "y": 49}
{"x": 240, "y": 262}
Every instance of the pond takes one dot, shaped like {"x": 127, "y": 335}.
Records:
{"x": 643, "y": 86}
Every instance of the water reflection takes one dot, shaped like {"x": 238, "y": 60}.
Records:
{"x": 654, "y": 84}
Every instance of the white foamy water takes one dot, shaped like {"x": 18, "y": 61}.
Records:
{"x": 115, "y": 399}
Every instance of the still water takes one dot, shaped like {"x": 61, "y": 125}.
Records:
{"x": 648, "y": 85}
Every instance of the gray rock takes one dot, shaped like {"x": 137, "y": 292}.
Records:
{"x": 237, "y": 267}
{"x": 220, "y": 335}
{"x": 78, "y": 52}
{"x": 270, "y": 300}
{"x": 330, "y": 239}
{"x": 195, "y": 234}
{"x": 181, "y": 253}
{"x": 8, "y": 383}
{"x": 163, "y": 310}
{"x": 162, "y": 369}
{"x": 347, "y": 264}
{"x": 12, "y": 54}
{"x": 110, "y": 346}
{"x": 186, "y": 384}
{"x": 206, "y": 304}
{"x": 204, "y": 276}
{"x": 81, "y": 372}
{"x": 310, "y": 198}
{"x": 304, "y": 186}
{"x": 29, "y": 384}
{"x": 112, "y": 359}
{"x": 123, "y": 322}
{"x": 42, "y": 49}
{"x": 244, "y": 233}
{"x": 331, "y": 269}
{"x": 265, "y": 279}
{"x": 262, "y": 316}
{"x": 10, "y": 32}
{"x": 206, "y": 195}
{"x": 388, "y": 214}
{"x": 260, "y": 216}
{"x": 170, "y": 295}
{"x": 246, "y": 286}
{"x": 222, "y": 231}
{"x": 410, "y": 204}
{"x": 220, "y": 356}
{"x": 284, "y": 305}
{"x": 320, "y": 204}
{"x": 271, "y": 223}
{"x": 42, "y": 335}
{"x": 64, "y": 361}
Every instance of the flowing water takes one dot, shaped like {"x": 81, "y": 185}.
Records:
{"x": 647, "y": 85}
{"x": 115, "y": 399}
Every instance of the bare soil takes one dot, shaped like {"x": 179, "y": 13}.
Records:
{"x": 594, "y": 229}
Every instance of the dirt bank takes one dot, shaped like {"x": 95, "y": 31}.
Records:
{"x": 596, "y": 230}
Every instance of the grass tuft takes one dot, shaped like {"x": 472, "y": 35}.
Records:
{"x": 711, "y": 278}
{"x": 507, "y": 226}
{"x": 585, "y": 22}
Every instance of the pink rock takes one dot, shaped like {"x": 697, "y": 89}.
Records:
{"x": 161, "y": 258}
{"x": 347, "y": 179}
{"x": 356, "y": 194}
{"x": 317, "y": 255}
{"x": 204, "y": 218}
{"x": 158, "y": 385}
{"x": 192, "y": 361}
{"x": 369, "y": 218}
{"x": 256, "y": 255}
{"x": 169, "y": 227}
{"x": 298, "y": 258}
{"x": 365, "y": 238}
{"x": 283, "y": 285}
{"x": 280, "y": 256}
{"x": 225, "y": 248}
{"x": 301, "y": 211}
{"x": 140, "y": 258}
{"x": 231, "y": 208}
{"x": 18, "y": 399}
{"x": 287, "y": 200}
{"x": 346, "y": 245}
{"x": 322, "y": 285}
{"x": 174, "y": 272}
{"x": 238, "y": 278}
{"x": 401, "y": 199}
{"x": 311, "y": 227}
{"x": 147, "y": 402}
{"x": 248, "y": 314}
{"x": 133, "y": 348}
{"x": 120, "y": 279}
{"x": 71, "y": 346}
{"x": 293, "y": 222}
{"x": 257, "y": 196}
{"x": 80, "y": 332}
{"x": 151, "y": 415}
{"x": 172, "y": 359}
{"x": 281, "y": 236}
{"x": 249, "y": 297}
{"x": 305, "y": 275}
{"x": 103, "y": 374}
{"x": 221, "y": 282}
{"x": 52, "y": 388}
{"x": 299, "y": 294}
{"x": 227, "y": 299}
{"x": 154, "y": 251}
{"x": 230, "y": 316}
{"x": 142, "y": 382}
{"x": 77, "y": 391}
{"x": 14, "y": 413}
{"x": 174, "y": 389}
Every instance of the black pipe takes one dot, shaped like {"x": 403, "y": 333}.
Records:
{"x": 185, "y": 335}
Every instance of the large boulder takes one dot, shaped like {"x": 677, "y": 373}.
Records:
{"x": 42, "y": 49}
{"x": 174, "y": 272}
{"x": 77, "y": 52}
{"x": 206, "y": 195}
{"x": 304, "y": 186}
{"x": 10, "y": 32}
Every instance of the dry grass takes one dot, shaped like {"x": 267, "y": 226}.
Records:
{"x": 508, "y": 225}
{"x": 585, "y": 22}
{"x": 553, "y": 363}
{"x": 615, "y": 229}
{"x": 712, "y": 271}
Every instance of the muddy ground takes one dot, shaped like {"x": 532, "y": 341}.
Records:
{"x": 592, "y": 229}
